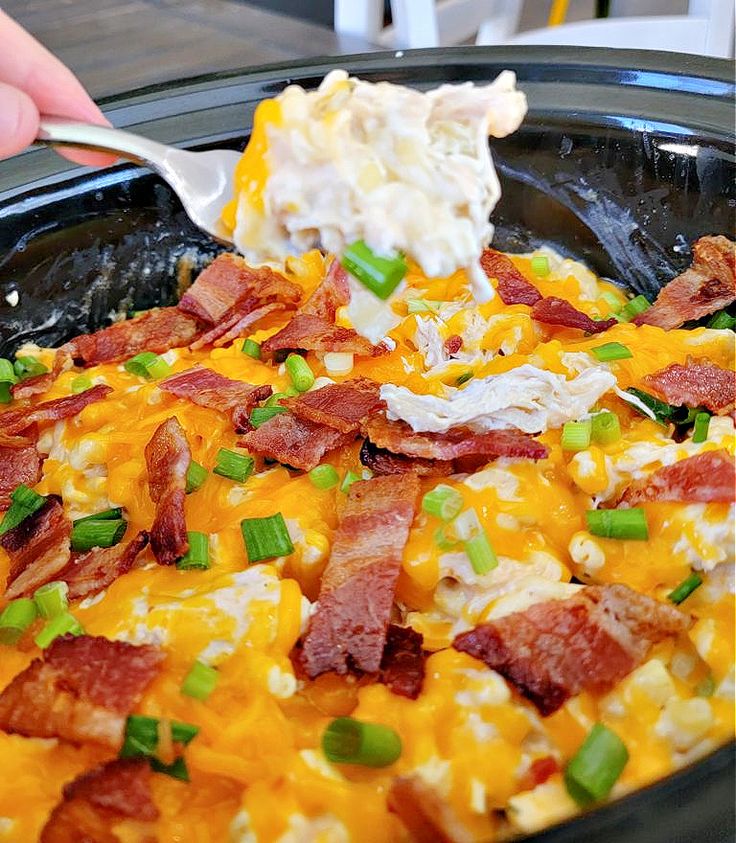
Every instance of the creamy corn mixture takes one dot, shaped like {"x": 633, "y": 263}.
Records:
{"x": 257, "y": 769}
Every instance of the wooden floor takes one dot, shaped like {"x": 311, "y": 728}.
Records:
{"x": 117, "y": 45}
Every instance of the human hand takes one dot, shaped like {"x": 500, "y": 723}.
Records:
{"x": 33, "y": 82}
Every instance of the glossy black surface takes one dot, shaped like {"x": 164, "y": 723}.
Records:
{"x": 624, "y": 159}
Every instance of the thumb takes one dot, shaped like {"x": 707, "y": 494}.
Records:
{"x": 18, "y": 120}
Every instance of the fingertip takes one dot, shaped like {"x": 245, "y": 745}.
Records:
{"x": 18, "y": 121}
{"x": 88, "y": 159}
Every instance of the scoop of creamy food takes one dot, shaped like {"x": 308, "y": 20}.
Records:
{"x": 403, "y": 170}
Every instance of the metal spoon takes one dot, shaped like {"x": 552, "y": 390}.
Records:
{"x": 203, "y": 181}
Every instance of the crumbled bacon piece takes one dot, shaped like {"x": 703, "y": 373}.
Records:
{"x": 89, "y": 573}
{"x": 81, "y": 691}
{"x": 540, "y": 770}
{"x": 313, "y": 333}
{"x": 402, "y": 663}
{"x": 398, "y": 437}
{"x": 36, "y": 385}
{"x": 20, "y": 462}
{"x": 332, "y": 293}
{"x": 348, "y": 629}
{"x": 343, "y": 406}
{"x": 39, "y": 547}
{"x": 707, "y": 477}
{"x": 381, "y": 461}
{"x": 168, "y": 458}
{"x": 512, "y": 287}
{"x": 708, "y": 285}
{"x": 453, "y": 344}
{"x": 558, "y": 312}
{"x": 696, "y": 384}
{"x": 16, "y": 421}
{"x": 155, "y": 330}
{"x": 208, "y": 389}
{"x": 293, "y": 441}
{"x": 426, "y": 815}
{"x": 557, "y": 648}
{"x": 236, "y": 326}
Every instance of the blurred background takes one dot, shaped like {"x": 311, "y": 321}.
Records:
{"x": 116, "y": 45}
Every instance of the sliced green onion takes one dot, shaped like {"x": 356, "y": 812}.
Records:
{"x": 685, "y": 589}
{"x": 381, "y": 275}
{"x": 612, "y": 301}
{"x": 349, "y": 741}
{"x": 252, "y": 349}
{"x": 443, "y": 539}
{"x": 722, "y": 320}
{"x": 28, "y": 367}
{"x": 63, "y": 624}
{"x": 113, "y": 514}
{"x": 176, "y": 770}
{"x": 142, "y": 735}
{"x": 6, "y": 396}
{"x": 540, "y": 265}
{"x": 596, "y": 766}
{"x": 81, "y": 384}
{"x": 15, "y": 619}
{"x": 605, "y": 428}
{"x": 576, "y": 435}
{"x": 443, "y": 502}
{"x": 611, "y": 351}
{"x": 24, "y": 502}
{"x": 700, "y": 430}
{"x": 633, "y": 308}
{"x": 198, "y": 555}
{"x": 301, "y": 375}
{"x": 266, "y": 538}
{"x": 7, "y": 372}
{"x": 348, "y": 480}
{"x": 338, "y": 362}
{"x": 200, "y": 681}
{"x": 260, "y": 415}
{"x": 51, "y": 599}
{"x": 147, "y": 365}
{"x": 618, "y": 523}
{"x": 464, "y": 378}
{"x": 706, "y": 687}
{"x": 196, "y": 475}
{"x": 662, "y": 412}
{"x": 423, "y": 306}
{"x": 324, "y": 476}
{"x": 481, "y": 554}
{"x": 90, "y": 533}
{"x": 274, "y": 400}
{"x": 232, "y": 465}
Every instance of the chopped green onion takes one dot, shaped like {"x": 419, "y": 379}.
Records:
{"x": 28, "y": 367}
{"x": 443, "y": 540}
{"x": 685, "y": 589}
{"x": 147, "y": 365}
{"x": 266, "y": 538}
{"x": 51, "y": 599}
{"x": 381, "y": 275}
{"x": 540, "y": 265}
{"x": 596, "y": 766}
{"x": 443, "y": 502}
{"x": 232, "y": 465}
{"x": 324, "y": 476}
{"x": 24, "y": 502}
{"x": 349, "y": 741}
{"x": 618, "y": 523}
{"x": 142, "y": 735}
{"x": 348, "y": 480}
{"x": 576, "y": 435}
{"x": 273, "y": 401}
{"x": 113, "y": 514}
{"x": 706, "y": 687}
{"x": 260, "y": 415}
{"x": 62, "y": 624}
{"x": 662, "y": 412}
{"x": 481, "y": 554}
{"x": 338, "y": 362}
{"x": 6, "y": 396}
{"x": 301, "y": 375}
{"x": 176, "y": 770}
{"x": 198, "y": 555}
{"x": 633, "y": 308}
{"x": 700, "y": 430}
{"x": 200, "y": 681}
{"x": 81, "y": 384}
{"x": 605, "y": 428}
{"x": 611, "y": 351}
{"x": 252, "y": 349}
{"x": 7, "y": 372}
{"x": 464, "y": 378}
{"x": 196, "y": 475}
{"x": 90, "y": 533}
{"x": 15, "y": 619}
{"x": 423, "y": 306}
{"x": 722, "y": 320}
{"x": 612, "y": 301}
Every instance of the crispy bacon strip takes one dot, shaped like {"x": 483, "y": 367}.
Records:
{"x": 707, "y": 477}
{"x": 697, "y": 384}
{"x": 381, "y": 461}
{"x": 16, "y": 421}
{"x": 93, "y": 802}
{"x": 36, "y": 385}
{"x": 557, "y": 648}
{"x": 402, "y": 664}
{"x": 89, "y": 573}
{"x": 313, "y": 333}
{"x": 293, "y": 441}
{"x": 155, "y": 330}
{"x": 332, "y": 293}
{"x": 398, "y": 437}
{"x": 348, "y": 630}
{"x": 235, "y": 324}
{"x": 20, "y": 462}
{"x": 425, "y": 814}
{"x": 558, "y": 312}
{"x": 208, "y": 389}
{"x": 168, "y": 457}
{"x": 39, "y": 547}
{"x": 81, "y": 691}
{"x": 708, "y": 285}
{"x": 512, "y": 287}
{"x": 344, "y": 406}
